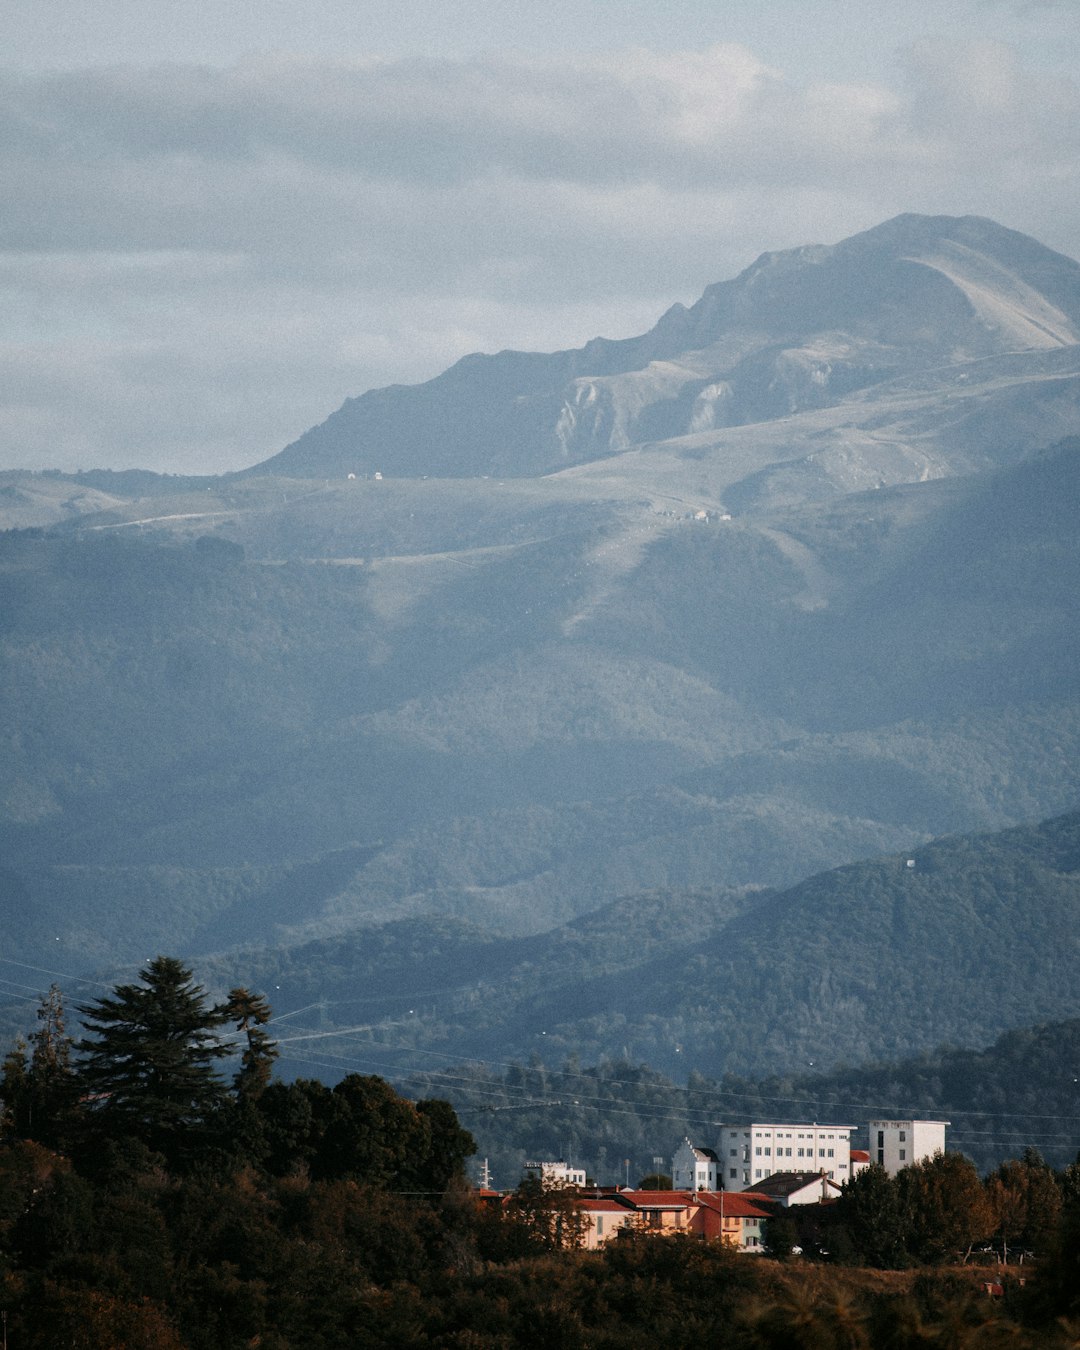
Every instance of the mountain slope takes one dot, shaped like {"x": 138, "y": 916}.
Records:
{"x": 262, "y": 709}
{"x": 799, "y": 330}
{"x": 868, "y": 962}
{"x": 520, "y": 733}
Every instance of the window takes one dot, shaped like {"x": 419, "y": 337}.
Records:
{"x": 733, "y": 1173}
{"x": 802, "y": 1152}
{"x": 832, "y": 1153}
{"x": 733, "y": 1152}
{"x": 903, "y": 1135}
{"x": 757, "y": 1150}
{"x": 768, "y": 1152}
{"x": 757, "y": 1175}
{"x": 903, "y": 1154}
{"x": 599, "y": 1225}
{"x": 821, "y": 1153}
{"x": 787, "y": 1151}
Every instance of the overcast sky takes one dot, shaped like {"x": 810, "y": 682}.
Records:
{"x": 220, "y": 220}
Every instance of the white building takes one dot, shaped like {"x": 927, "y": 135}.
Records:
{"x": 695, "y": 1169}
{"x": 751, "y": 1152}
{"x": 895, "y": 1144}
{"x": 797, "y": 1188}
{"x": 557, "y": 1173}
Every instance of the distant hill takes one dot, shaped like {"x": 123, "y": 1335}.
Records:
{"x": 516, "y": 735}
{"x": 1015, "y": 1094}
{"x": 870, "y": 962}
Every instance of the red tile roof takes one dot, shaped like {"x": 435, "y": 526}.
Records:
{"x": 736, "y": 1204}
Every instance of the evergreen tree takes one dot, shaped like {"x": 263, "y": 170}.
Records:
{"x": 251, "y": 1012}
{"x": 147, "y": 1063}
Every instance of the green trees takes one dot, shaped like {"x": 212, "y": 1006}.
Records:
{"x": 147, "y": 1065}
{"x": 870, "y": 1213}
{"x": 946, "y": 1206}
{"x": 931, "y": 1212}
{"x": 250, "y": 1013}
{"x": 546, "y": 1216}
{"x": 38, "y": 1091}
{"x": 1026, "y": 1203}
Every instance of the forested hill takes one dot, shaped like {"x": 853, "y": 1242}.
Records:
{"x": 866, "y": 962}
{"x": 1019, "y": 1093}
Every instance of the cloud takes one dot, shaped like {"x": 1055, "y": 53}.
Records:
{"x": 196, "y": 264}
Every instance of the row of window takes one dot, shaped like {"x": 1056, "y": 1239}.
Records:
{"x": 759, "y": 1175}
{"x": 807, "y": 1134}
{"x": 786, "y": 1152}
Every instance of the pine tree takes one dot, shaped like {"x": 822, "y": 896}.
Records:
{"x": 250, "y": 1013}
{"x": 147, "y": 1063}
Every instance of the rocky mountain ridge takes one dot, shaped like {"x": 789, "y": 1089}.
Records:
{"x": 797, "y": 331}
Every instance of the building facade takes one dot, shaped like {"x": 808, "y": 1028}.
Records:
{"x": 557, "y": 1173}
{"x": 695, "y": 1169}
{"x": 750, "y": 1152}
{"x": 896, "y": 1144}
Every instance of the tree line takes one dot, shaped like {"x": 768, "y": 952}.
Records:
{"x": 146, "y": 1202}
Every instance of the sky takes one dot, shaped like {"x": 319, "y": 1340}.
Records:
{"x": 220, "y": 220}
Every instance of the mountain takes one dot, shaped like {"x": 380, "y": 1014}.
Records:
{"x": 266, "y": 711}
{"x": 917, "y": 299}
{"x": 970, "y": 936}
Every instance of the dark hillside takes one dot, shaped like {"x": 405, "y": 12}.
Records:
{"x": 868, "y": 962}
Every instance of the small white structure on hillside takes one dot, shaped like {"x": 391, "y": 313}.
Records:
{"x": 695, "y": 1169}
{"x": 895, "y": 1144}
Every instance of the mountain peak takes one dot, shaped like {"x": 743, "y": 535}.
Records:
{"x": 799, "y": 328}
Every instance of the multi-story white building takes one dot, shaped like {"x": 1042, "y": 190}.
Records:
{"x": 750, "y": 1152}
{"x": 895, "y": 1144}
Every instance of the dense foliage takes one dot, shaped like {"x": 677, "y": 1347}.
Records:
{"x": 296, "y": 1215}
